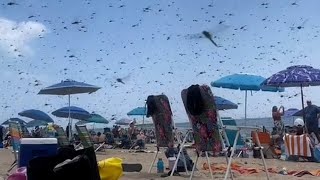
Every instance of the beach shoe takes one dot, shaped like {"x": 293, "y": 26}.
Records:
{"x": 131, "y": 167}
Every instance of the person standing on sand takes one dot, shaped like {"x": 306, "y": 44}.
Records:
{"x": 278, "y": 124}
{"x": 312, "y": 114}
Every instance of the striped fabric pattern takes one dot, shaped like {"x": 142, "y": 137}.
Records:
{"x": 298, "y": 145}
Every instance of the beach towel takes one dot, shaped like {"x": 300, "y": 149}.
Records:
{"x": 160, "y": 111}
{"x": 297, "y": 145}
{"x": 203, "y": 117}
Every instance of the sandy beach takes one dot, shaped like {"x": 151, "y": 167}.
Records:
{"x": 6, "y": 158}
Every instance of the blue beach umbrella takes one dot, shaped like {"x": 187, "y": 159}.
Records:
{"x": 69, "y": 87}
{"x": 245, "y": 82}
{"x": 224, "y": 104}
{"x": 295, "y": 76}
{"x": 13, "y": 119}
{"x": 139, "y": 111}
{"x": 96, "y": 118}
{"x": 36, "y": 115}
{"x": 72, "y": 112}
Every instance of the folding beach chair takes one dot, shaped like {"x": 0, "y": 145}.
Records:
{"x": 16, "y": 134}
{"x": 160, "y": 111}
{"x": 85, "y": 138}
{"x": 62, "y": 137}
{"x": 297, "y": 146}
{"x": 200, "y": 107}
{"x": 266, "y": 144}
{"x": 231, "y": 134}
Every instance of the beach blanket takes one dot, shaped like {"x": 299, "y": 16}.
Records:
{"x": 160, "y": 111}
{"x": 201, "y": 109}
{"x": 297, "y": 145}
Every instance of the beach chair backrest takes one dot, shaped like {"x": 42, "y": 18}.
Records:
{"x": 231, "y": 134}
{"x": 201, "y": 109}
{"x": 160, "y": 111}
{"x": 16, "y": 135}
{"x": 297, "y": 145}
{"x": 264, "y": 138}
{"x": 84, "y": 136}
{"x": 62, "y": 137}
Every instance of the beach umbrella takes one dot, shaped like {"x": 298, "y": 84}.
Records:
{"x": 69, "y": 87}
{"x": 224, "y": 104}
{"x": 36, "y": 115}
{"x": 96, "y": 118}
{"x": 72, "y": 112}
{"x": 14, "y": 119}
{"x": 290, "y": 112}
{"x": 124, "y": 121}
{"x": 295, "y": 76}
{"x": 34, "y": 123}
{"x": 139, "y": 111}
{"x": 245, "y": 82}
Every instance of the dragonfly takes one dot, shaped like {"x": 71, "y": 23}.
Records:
{"x": 209, "y": 34}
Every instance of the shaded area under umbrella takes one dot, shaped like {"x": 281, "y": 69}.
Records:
{"x": 34, "y": 123}
{"x": 224, "y": 104}
{"x": 246, "y": 83}
{"x": 69, "y": 87}
{"x": 15, "y": 120}
{"x": 72, "y": 112}
{"x": 295, "y": 76}
{"x": 36, "y": 115}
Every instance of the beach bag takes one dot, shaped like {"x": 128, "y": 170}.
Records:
{"x": 110, "y": 169}
{"x": 83, "y": 165}
{"x": 19, "y": 174}
{"x": 316, "y": 153}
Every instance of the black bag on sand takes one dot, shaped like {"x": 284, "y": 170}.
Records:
{"x": 80, "y": 165}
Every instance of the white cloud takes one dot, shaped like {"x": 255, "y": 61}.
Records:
{"x": 15, "y": 37}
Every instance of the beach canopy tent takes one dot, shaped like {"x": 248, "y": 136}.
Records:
{"x": 244, "y": 82}
{"x": 69, "y": 87}
{"x": 36, "y": 115}
{"x": 295, "y": 76}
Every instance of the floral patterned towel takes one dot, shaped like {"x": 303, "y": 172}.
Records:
{"x": 205, "y": 126}
{"x": 162, "y": 120}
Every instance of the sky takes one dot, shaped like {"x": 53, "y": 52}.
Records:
{"x": 155, "y": 47}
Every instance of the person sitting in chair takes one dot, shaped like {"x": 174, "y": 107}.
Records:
{"x": 141, "y": 138}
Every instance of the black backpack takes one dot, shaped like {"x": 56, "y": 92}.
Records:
{"x": 82, "y": 164}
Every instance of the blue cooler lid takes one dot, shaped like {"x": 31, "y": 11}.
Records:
{"x": 38, "y": 141}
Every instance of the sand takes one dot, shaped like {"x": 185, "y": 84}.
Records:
{"x": 6, "y": 158}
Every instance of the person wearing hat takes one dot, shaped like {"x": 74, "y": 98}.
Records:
{"x": 311, "y": 116}
{"x": 299, "y": 126}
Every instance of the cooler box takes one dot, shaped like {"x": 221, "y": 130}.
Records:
{"x": 35, "y": 147}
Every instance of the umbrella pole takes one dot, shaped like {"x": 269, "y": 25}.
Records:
{"x": 303, "y": 111}
{"x": 245, "y": 108}
{"x": 70, "y": 123}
